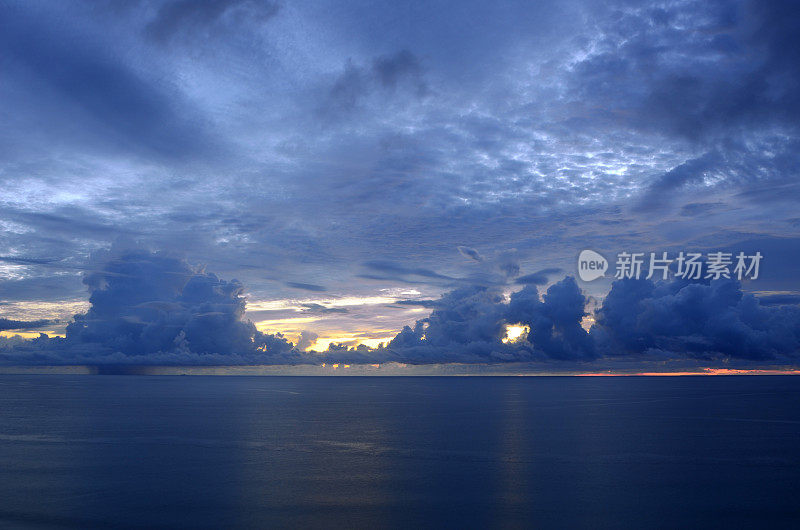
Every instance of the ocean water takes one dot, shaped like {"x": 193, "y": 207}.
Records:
{"x": 405, "y": 452}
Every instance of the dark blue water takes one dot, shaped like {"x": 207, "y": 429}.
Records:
{"x": 134, "y": 451}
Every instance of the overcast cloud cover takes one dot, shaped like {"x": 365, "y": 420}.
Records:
{"x": 351, "y": 168}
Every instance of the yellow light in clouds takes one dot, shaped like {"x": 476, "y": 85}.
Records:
{"x": 351, "y": 339}
{"x": 281, "y": 323}
{"x": 516, "y": 333}
{"x": 299, "y": 305}
{"x": 30, "y": 334}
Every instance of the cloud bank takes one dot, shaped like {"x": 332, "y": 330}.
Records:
{"x": 148, "y": 307}
{"x": 469, "y": 325}
{"x": 9, "y": 324}
{"x": 713, "y": 320}
{"x": 153, "y": 308}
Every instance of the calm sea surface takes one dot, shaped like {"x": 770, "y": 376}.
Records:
{"x": 563, "y": 452}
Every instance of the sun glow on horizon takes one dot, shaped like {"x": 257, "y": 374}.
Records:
{"x": 700, "y": 372}
{"x": 351, "y": 340}
{"x": 516, "y": 333}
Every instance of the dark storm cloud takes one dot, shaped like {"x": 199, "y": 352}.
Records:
{"x": 144, "y": 303}
{"x": 715, "y": 320}
{"x": 147, "y": 306}
{"x": 150, "y": 308}
{"x": 677, "y": 319}
{"x": 469, "y": 323}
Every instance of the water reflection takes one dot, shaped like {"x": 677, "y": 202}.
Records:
{"x": 211, "y": 452}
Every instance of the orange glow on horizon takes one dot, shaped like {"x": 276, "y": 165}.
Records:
{"x": 352, "y": 339}
{"x": 704, "y": 371}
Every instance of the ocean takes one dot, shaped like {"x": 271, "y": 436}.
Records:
{"x": 399, "y": 452}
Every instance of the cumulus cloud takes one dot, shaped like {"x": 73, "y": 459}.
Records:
{"x": 153, "y": 308}
{"x": 469, "y": 324}
{"x": 704, "y": 320}
{"x": 146, "y": 304}
{"x": 674, "y": 319}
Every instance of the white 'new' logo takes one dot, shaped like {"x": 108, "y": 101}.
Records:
{"x": 591, "y": 265}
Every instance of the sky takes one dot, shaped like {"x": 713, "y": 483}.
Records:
{"x": 241, "y": 182}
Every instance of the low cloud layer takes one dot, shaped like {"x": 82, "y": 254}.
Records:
{"x": 153, "y": 308}
{"x": 712, "y": 321}
{"x": 147, "y": 306}
{"x": 9, "y": 324}
{"x": 469, "y": 325}
{"x": 677, "y": 319}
